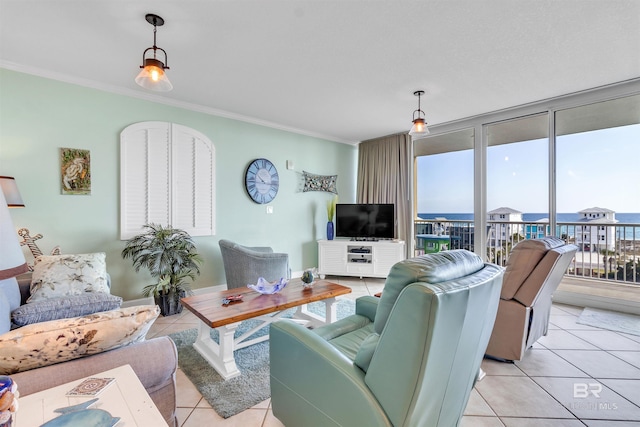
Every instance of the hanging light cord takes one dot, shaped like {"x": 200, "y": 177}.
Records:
{"x": 418, "y": 93}
{"x": 155, "y": 48}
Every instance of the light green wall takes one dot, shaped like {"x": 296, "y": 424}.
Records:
{"x": 38, "y": 116}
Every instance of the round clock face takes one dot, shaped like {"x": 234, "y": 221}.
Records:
{"x": 261, "y": 181}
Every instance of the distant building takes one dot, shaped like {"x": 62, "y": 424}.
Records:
{"x": 598, "y": 231}
{"x": 537, "y": 230}
{"x": 500, "y": 232}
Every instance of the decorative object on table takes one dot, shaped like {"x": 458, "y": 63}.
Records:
{"x": 75, "y": 166}
{"x": 8, "y": 400}
{"x": 331, "y": 211}
{"x": 30, "y": 241}
{"x": 261, "y": 181}
{"x": 313, "y": 182}
{"x": 308, "y": 277}
{"x": 232, "y": 298}
{"x": 81, "y": 415}
{"x": 170, "y": 255}
{"x": 266, "y": 288}
{"x": 90, "y": 387}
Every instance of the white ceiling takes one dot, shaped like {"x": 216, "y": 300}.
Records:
{"x": 342, "y": 70}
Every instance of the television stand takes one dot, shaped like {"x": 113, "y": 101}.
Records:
{"x": 360, "y": 258}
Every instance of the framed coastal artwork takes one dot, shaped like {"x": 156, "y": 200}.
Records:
{"x": 75, "y": 171}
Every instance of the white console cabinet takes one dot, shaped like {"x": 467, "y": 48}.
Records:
{"x": 342, "y": 257}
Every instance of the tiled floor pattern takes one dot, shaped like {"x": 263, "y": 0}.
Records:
{"x": 599, "y": 367}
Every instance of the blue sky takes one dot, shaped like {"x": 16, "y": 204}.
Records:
{"x": 598, "y": 168}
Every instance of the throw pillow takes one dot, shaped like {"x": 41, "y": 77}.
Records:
{"x": 64, "y": 307}
{"x": 65, "y": 275}
{"x": 46, "y": 343}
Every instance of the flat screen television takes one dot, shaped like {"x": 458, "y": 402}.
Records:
{"x": 371, "y": 221}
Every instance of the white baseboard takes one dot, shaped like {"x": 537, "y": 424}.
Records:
{"x": 598, "y": 294}
{"x": 596, "y": 301}
{"x": 150, "y": 301}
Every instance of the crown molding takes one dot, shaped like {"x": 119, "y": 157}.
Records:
{"x": 163, "y": 100}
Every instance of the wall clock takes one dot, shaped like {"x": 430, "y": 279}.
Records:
{"x": 261, "y": 181}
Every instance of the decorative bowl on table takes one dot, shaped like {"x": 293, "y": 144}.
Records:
{"x": 267, "y": 288}
{"x": 308, "y": 277}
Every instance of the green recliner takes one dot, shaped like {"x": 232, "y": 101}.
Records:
{"x": 409, "y": 358}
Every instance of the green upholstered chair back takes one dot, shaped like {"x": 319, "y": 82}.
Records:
{"x": 431, "y": 268}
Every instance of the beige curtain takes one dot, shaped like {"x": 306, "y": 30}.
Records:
{"x": 383, "y": 177}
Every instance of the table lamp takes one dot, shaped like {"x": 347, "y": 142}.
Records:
{"x": 12, "y": 261}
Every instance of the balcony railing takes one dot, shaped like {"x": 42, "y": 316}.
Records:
{"x": 606, "y": 252}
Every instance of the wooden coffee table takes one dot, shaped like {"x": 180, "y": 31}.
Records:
{"x": 267, "y": 308}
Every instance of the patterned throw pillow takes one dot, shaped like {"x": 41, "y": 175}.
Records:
{"x": 64, "y": 275}
{"x": 56, "y": 341}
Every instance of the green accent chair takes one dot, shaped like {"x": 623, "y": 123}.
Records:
{"x": 408, "y": 358}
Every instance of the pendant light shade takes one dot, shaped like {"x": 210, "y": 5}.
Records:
{"x": 153, "y": 75}
{"x": 419, "y": 128}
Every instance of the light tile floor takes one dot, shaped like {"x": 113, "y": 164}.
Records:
{"x": 538, "y": 391}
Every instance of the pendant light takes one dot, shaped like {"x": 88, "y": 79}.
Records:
{"x": 419, "y": 128}
{"x": 153, "y": 76}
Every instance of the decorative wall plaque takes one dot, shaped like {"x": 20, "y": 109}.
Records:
{"x": 313, "y": 182}
{"x": 75, "y": 171}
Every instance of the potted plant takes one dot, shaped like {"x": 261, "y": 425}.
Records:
{"x": 170, "y": 255}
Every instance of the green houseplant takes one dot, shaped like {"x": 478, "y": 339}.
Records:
{"x": 170, "y": 255}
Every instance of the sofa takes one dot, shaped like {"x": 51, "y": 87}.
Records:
{"x": 408, "y": 358}
{"x": 154, "y": 361}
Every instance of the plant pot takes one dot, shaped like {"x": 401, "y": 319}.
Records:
{"x": 170, "y": 303}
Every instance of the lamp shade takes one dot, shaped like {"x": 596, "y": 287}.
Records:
{"x": 11, "y": 193}
{"x": 12, "y": 262}
{"x": 153, "y": 77}
{"x": 419, "y": 129}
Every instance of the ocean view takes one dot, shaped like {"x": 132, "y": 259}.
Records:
{"x": 623, "y": 218}
{"x": 631, "y": 233}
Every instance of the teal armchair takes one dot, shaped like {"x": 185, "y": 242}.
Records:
{"x": 409, "y": 358}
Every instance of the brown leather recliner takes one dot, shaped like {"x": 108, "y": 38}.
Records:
{"x": 534, "y": 271}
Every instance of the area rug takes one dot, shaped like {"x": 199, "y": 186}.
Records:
{"x": 611, "y": 320}
{"x": 251, "y": 387}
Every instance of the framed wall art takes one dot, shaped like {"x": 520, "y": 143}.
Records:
{"x": 75, "y": 168}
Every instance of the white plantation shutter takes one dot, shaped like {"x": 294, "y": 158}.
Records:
{"x": 167, "y": 176}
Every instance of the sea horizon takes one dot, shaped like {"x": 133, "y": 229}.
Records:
{"x": 621, "y": 217}
{"x": 631, "y": 232}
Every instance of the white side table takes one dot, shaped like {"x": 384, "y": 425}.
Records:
{"x": 125, "y": 398}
